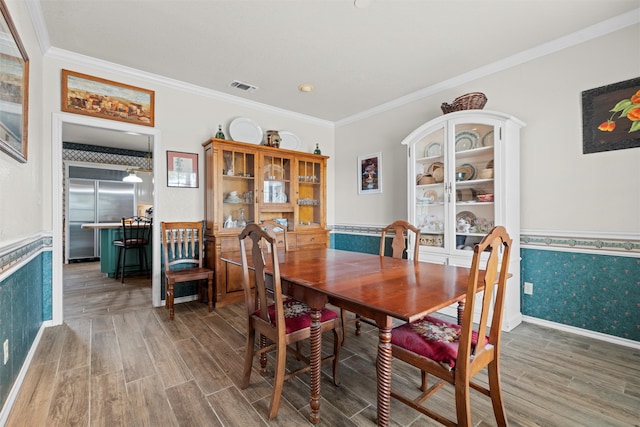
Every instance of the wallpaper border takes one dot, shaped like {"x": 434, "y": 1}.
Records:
{"x": 15, "y": 254}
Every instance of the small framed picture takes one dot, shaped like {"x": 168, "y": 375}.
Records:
{"x": 182, "y": 169}
{"x": 370, "y": 173}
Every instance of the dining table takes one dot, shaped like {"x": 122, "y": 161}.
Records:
{"x": 376, "y": 287}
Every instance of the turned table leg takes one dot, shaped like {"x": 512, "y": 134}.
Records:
{"x": 315, "y": 356}
{"x": 383, "y": 368}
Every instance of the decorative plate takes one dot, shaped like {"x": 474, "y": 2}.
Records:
{"x": 470, "y": 217}
{"x": 434, "y": 149}
{"x": 487, "y": 139}
{"x": 288, "y": 140}
{"x": 243, "y": 129}
{"x": 466, "y": 140}
{"x": 469, "y": 169}
{"x": 430, "y": 194}
{"x": 280, "y": 198}
{"x": 273, "y": 172}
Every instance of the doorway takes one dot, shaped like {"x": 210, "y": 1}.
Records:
{"x": 59, "y": 121}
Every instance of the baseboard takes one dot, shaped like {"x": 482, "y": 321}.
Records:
{"x": 583, "y": 332}
{"x": 15, "y": 389}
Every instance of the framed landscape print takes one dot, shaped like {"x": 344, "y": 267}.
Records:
{"x": 370, "y": 174}
{"x": 182, "y": 169}
{"x": 14, "y": 96}
{"x": 611, "y": 117}
{"x": 106, "y": 99}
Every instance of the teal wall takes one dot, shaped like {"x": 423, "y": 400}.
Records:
{"x": 599, "y": 293}
{"x": 25, "y": 302}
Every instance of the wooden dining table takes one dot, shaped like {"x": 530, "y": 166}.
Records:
{"x": 379, "y": 288}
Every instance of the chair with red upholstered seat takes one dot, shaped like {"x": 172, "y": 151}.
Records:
{"x": 454, "y": 353}
{"x": 282, "y": 322}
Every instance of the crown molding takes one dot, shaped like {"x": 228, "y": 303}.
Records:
{"x": 594, "y": 31}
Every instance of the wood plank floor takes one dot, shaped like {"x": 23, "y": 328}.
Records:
{"x": 126, "y": 364}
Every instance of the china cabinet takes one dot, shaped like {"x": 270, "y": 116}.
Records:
{"x": 464, "y": 178}
{"x": 247, "y": 183}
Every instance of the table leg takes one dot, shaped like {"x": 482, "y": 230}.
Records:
{"x": 383, "y": 368}
{"x": 315, "y": 356}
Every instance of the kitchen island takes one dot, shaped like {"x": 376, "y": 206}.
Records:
{"x": 110, "y": 231}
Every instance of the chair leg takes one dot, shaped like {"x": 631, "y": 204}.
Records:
{"x": 343, "y": 320}
{"x": 463, "y": 404}
{"x": 169, "y": 299}
{"x": 495, "y": 392}
{"x": 278, "y": 381}
{"x": 118, "y": 262}
{"x": 338, "y": 339}
{"x": 358, "y": 325}
{"x": 124, "y": 262}
{"x": 210, "y": 294}
{"x": 248, "y": 358}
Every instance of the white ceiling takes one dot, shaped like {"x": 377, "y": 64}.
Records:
{"x": 358, "y": 59}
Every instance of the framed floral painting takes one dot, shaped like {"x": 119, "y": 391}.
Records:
{"x": 611, "y": 117}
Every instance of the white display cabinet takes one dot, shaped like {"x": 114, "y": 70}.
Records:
{"x": 464, "y": 178}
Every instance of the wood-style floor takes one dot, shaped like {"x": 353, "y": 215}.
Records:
{"x": 125, "y": 363}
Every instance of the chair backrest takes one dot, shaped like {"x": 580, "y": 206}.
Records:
{"x": 258, "y": 297}
{"x": 136, "y": 231}
{"x": 498, "y": 246}
{"x": 401, "y": 240}
{"x": 182, "y": 244}
{"x": 275, "y": 229}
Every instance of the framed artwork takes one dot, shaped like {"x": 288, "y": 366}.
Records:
{"x": 370, "y": 173}
{"x": 106, "y": 99}
{"x": 14, "y": 96}
{"x": 611, "y": 117}
{"x": 182, "y": 169}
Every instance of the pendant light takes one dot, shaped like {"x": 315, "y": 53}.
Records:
{"x": 133, "y": 176}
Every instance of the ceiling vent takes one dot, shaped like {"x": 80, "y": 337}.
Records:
{"x": 243, "y": 86}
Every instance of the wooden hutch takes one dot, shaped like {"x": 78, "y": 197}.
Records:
{"x": 251, "y": 183}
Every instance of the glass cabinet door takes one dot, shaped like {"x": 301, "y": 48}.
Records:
{"x": 309, "y": 193}
{"x": 430, "y": 188}
{"x": 472, "y": 182}
{"x": 277, "y": 180}
{"x": 238, "y": 186}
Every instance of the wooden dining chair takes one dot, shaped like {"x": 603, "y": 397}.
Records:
{"x": 401, "y": 247}
{"x": 282, "y": 322}
{"x": 135, "y": 234}
{"x": 456, "y": 353}
{"x": 183, "y": 250}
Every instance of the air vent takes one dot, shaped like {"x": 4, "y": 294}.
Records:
{"x": 243, "y": 86}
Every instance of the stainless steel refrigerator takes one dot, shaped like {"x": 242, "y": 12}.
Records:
{"x": 95, "y": 201}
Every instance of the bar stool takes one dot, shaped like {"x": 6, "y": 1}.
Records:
{"x": 135, "y": 235}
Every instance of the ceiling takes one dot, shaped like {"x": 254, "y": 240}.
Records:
{"x": 357, "y": 58}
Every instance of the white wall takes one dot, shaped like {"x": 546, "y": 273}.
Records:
{"x": 562, "y": 189}
{"x": 23, "y": 203}
{"x": 186, "y": 118}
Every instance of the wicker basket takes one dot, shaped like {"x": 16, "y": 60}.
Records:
{"x": 469, "y": 101}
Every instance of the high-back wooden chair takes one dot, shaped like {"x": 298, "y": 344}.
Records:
{"x": 283, "y": 322}
{"x": 402, "y": 245}
{"x": 135, "y": 235}
{"x": 183, "y": 250}
{"x": 456, "y": 353}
